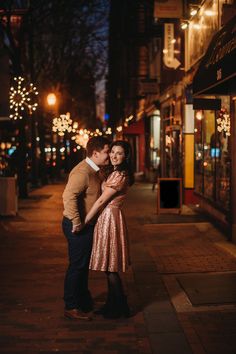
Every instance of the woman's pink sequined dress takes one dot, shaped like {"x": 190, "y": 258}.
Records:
{"x": 110, "y": 244}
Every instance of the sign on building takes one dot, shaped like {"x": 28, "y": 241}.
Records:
{"x": 168, "y": 9}
{"x": 168, "y": 52}
{"x": 148, "y": 86}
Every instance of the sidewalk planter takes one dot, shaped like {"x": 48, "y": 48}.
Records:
{"x": 8, "y": 196}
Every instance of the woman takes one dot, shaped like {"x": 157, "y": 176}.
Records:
{"x": 110, "y": 245}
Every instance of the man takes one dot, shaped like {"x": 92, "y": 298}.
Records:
{"x": 81, "y": 192}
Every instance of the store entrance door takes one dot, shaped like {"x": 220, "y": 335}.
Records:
{"x": 172, "y": 152}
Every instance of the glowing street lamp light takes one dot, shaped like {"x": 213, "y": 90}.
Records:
{"x": 51, "y": 99}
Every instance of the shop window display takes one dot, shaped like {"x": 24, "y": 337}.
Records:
{"x": 199, "y": 151}
{"x": 173, "y": 140}
{"x": 212, "y": 154}
{"x": 209, "y": 158}
{"x": 223, "y": 163}
{"x": 155, "y": 140}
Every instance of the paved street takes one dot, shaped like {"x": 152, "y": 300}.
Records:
{"x": 180, "y": 285}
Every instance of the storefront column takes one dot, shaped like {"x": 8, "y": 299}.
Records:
{"x": 188, "y": 135}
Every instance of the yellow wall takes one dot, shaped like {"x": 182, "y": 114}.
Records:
{"x": 189, "y": 161}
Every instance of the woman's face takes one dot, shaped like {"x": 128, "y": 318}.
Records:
{"x": 117, "y": 155}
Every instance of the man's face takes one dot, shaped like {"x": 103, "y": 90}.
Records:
{"x": 101, "y": 158}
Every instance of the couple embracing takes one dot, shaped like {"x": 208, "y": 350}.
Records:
{"x": 95, "y": 228}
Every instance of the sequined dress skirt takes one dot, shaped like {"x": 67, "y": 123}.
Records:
{"x": 110, "y": 242}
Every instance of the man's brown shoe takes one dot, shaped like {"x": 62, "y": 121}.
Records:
{"x": 75, "y": 314}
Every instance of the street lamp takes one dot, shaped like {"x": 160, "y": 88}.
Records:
{"x": 51, "y": 99}
{"x": 52, "y": 102}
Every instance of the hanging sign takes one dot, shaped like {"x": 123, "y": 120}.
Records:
{"x": 169, "y": 60}
{"x": 168, "y": 9}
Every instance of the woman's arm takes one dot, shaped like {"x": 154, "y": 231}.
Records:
{"x": 100, "y": 202}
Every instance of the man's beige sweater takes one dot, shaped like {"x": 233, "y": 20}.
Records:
{"x": 82, "y": 190}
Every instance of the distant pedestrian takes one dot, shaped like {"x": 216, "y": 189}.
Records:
{"x": 110, "y": 252}
{"x": 81, "y": 192}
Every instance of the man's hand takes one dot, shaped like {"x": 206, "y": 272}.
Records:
{"x": 77, "y": 228}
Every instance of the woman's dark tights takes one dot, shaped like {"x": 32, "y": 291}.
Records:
{"x": 116, "y": 304}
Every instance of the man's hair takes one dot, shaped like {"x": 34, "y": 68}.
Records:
{"x": 96, "y": 143}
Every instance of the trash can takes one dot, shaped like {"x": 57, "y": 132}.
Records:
{"x": 8, "y": 196}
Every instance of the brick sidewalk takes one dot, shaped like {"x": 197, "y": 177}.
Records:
{"x": 33, "y": 259}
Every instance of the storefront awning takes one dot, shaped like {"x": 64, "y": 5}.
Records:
{"x": 136, "y": 128}
{"x": 217, "y": 71}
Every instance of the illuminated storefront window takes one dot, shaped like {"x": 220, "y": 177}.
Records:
{"x": 155, "y": 139}
{"x": 172, "y": 161}
{"x": 212, "y": 154}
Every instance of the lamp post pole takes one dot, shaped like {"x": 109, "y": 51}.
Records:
{"x": 55, "y": 139}
{"x": 34, "y": 159}
{"x": 22, "y": 160}
{"x": 42, "y": 159}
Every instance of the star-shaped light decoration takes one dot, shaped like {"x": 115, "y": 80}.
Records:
{"x": 62, "y": 124}
{"x": 82, "y": 137}
{"x": 223, "y": 122}
{"x": 21, "y": 98}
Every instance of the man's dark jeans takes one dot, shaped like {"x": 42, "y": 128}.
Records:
{"x": 76, "y": 293}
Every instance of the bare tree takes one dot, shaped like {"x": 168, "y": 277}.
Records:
{"x": 60, "y": 44}
{"x": 70, "y": 40}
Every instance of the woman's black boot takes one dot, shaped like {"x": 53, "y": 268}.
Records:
{"x": 118, "y": 306}
{"x": 125, "y": 307}
{"x": 118, "y": 310}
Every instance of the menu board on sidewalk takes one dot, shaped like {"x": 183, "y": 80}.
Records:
{"x": 169, "y": 195}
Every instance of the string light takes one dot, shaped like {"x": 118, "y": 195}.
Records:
{"x": 199, "y": 115}
{"x": 120, "y": 128}
{"x": 223, "y": 122}
{"x": 108, "y": 131}
{"x": 197, "y": 26}
{"x": 184, "y": 25}
{"x": 82, "y": 138}
{"x": 209, "y": 13}
{"x": 62, "y": 124}
{"x": 129, "y": 118}
{"x": 21, "y": 98}
{"x": 75, "y": 126}
{"x": 193, "y": 12}
{"x": 82, "y": 135}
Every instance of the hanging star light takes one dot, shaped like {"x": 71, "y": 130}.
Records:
{"x": 82, "y": 137}
{"x": 62, "y": 124}
{"x": 21, "y": 98}
{"x": 223, "y": 122}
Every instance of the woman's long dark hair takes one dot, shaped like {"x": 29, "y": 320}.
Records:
{"x": 127, "y": 164}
